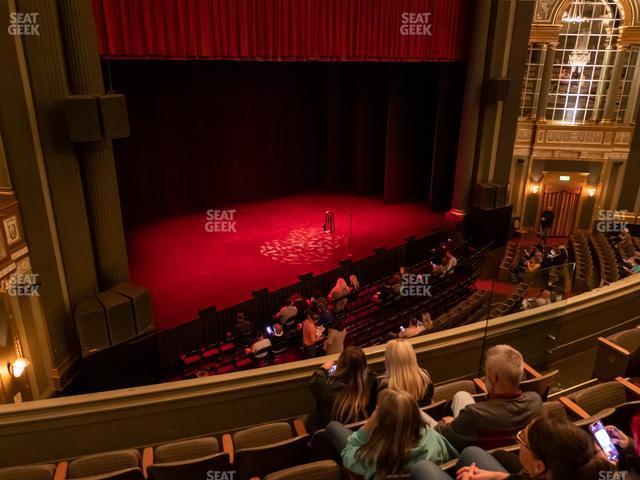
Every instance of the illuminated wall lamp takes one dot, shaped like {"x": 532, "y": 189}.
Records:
{"x": 17, "y": 368}
{"x": 535, "y": 188}
{"x": 592, "y": 192}
{"x": 565, "y": 178}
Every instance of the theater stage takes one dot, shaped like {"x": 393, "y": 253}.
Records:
{"x": 188, "y": 265}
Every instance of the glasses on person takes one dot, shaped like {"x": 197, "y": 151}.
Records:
{"x": 522, "y": 438}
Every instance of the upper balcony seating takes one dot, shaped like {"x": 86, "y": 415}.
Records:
{"x": 265, "y": 449}
{"x": 618, "y": 355}
{"x": 31, "y": 472}
{"x": 184, "y": 459}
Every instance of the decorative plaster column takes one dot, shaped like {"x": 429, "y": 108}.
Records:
{"x": 549, "y": 50}
{"x": 609, "y": 113}
{"x": 471, "y": 108}
{"x": 85, "y": 78}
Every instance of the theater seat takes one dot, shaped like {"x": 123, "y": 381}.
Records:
{"x": 554, "y": 409}
{"x": 265, "y": 449}
{"x": 618, "y": 355}
{"x": 592, "y": 400}
{"x": 30, "y": 472}
{"x": 184, "y": 459}
{"x": 448, "y": 390}
{"x": 323, "y": 470}
{"x": 122, "y": 465}
{"x": 541, "y": 384}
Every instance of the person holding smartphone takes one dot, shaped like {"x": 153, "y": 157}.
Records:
{"x": 551, "y": 448}
{"x": 344, "y": 390}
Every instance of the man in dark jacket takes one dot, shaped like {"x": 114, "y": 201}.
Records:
{"x": 507, "y": 409}
{"x": 546, "y": 221}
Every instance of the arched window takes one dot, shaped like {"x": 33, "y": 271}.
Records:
{"x": 582, "y": 66}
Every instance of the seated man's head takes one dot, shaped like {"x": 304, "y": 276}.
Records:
{"x": 504, "y": 368}
{"x": 259, "y": 335}
{"x": 240, "y": 317}
{"x": 414, "y": 321}
{"x": 277, "y": 328}
{"x": 545, "y": 294}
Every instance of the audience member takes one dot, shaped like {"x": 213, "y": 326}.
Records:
{"x": 451, "y": 261}
{"x": 317, "y": 298}
{"x": 339, "y": 294}
{"x": 325, "y": 317}
{"x": 259, "y": 345}
{"x": 287, "y": 314}
{"x": 636, "y": 266}
{"x": 441, "y": 268}
{"x": 543, "y": 298}
{"x": 414, "y": 329}
{"x": 301, "y": 304}
{"x": 546, "y": 222}
{"x": 354, "y": 283}
{"x": 279, "y": 340}
{"x": 403, "y": 372}
{"x": 242, "y": 327}
{"x": 392, "y": 440}
{"x": 310, "y": 335}
{"x": 507, "y": 408}
{"x": 335, "y": 338}
{"x": 550, "y": 449}
{"x": 344, "y": 391}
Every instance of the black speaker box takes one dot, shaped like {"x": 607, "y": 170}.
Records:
{"x": 83, "y": 120}
{"x": 128, "y": 364}
{"x": 501, "y": 195}
{"x": 140, "y": 299}
{"x": 119, "y": 313}
{"x": 113, "y": 115}
{"x": 91, "y": 324}
{"x": 485, "y": 196}
{"x": 489, "y": 225}
{"x": 497, "y": 89}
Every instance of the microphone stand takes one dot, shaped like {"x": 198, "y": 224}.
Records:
{"x": 350, "y": 222}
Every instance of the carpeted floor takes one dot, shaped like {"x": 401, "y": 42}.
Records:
{"x": 187, "y": 267}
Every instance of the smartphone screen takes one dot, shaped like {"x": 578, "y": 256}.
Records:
{"x": 269, "y": 329}
{"x": 603, "y": 439}
{"x": 332, "y": 370}
{"x": 401, "y": 328}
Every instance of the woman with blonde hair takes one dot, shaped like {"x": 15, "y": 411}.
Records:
{"x": 403, "y": 372}
{"x": 393, "y": 439}
{"x": 339, "y": 294}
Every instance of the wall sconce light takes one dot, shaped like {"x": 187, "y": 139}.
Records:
{"x": 17, "y": 367}
{"x": 535, "y": 188}
{"x": 592, "y": 192}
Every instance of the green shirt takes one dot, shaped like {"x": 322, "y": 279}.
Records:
{"x": 432, "y": 446}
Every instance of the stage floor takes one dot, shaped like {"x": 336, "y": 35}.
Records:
{"x": 187, "y": 267}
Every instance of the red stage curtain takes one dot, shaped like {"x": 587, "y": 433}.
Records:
{"x": 564, "y": 202}
{"x": 286, "y": 30}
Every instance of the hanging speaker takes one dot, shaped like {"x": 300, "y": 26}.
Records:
{"x": 497, "y": 89}
{"x": 83, "y": 120}
{"x": 91, "y": 324}
{"x": 119, "y": 313}
{"x": 140, "y": 299}
{"x": 485, "y": 196}
{"x": 113, "y": 116}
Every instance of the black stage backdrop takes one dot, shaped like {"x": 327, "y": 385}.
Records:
{"x": 212, "y": 134}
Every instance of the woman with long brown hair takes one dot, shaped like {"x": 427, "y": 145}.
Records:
{"x": 404, "y": 373}
{"x": 343, "y": 391}
{"x": 393, "y": 439}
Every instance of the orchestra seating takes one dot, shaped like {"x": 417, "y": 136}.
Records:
{"x": 512, "y": 303}
{"x": 606, "y": 259}
{"x": 585, "y": 273}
